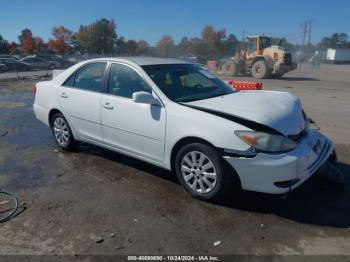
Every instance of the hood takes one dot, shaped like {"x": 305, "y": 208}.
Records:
{"x": 280, "y": 111}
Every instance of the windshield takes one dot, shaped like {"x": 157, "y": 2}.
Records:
{"x": 187, "y": 82}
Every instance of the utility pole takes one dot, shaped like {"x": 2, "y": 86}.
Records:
{"x": 310, "y": 27}
{"x": 307, "y": 29}
{"x": 304, "y": 33}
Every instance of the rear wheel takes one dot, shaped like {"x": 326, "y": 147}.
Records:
{"x": 260, "y": 70}
{"x": 201, "y": 171}
{"x": 62, "y": 133}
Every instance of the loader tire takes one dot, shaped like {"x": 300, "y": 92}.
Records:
{"x": 230, "y": 68}
{"x": 260, "y": 70}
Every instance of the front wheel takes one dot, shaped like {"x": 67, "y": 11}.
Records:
{"x": 260, "y": 70}
{"x": 201, "y": 171}
{"x": 62, "y": 133}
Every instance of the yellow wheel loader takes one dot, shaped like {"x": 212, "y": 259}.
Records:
{"x": 258, "y": 58}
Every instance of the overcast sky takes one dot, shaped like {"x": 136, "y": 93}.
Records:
{"x": 150, "y": 19}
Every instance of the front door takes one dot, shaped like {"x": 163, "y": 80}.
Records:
{"x": 134, "y": 128}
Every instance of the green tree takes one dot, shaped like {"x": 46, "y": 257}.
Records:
{"x": 212, "y": 40}
{"x": 142, "y": 47}
{"x": 4, "y": 46}
{"x": 24, "y": 34}
{"x": 229, "y": 45}
{"x": 186, "y": 46}
{"x": 337, "y": 40}
{"x": 13, "y": 48}
{"x": 98, "y": 38}
{"x": 131, "y": 47}
{"x": 121, "y": 46}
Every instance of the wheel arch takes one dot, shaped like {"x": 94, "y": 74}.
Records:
{"x": 193, "y": 139}
{"x": 182, "y": 142}
{"x": 52, "y": 112}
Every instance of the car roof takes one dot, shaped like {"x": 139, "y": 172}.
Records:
{"x": 145, "y": 60}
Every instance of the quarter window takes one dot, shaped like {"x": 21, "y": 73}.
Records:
{"x": 124, "y": 81}
{"x": 89, "y": 77}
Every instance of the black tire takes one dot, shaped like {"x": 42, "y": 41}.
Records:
{"x": 260, "y": 70}
{"x": 225, "y": 178}
{"x": 230, "y": 68}
{"x": 71, "y": 144}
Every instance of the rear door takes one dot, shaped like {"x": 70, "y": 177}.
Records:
{"x": 131, "y": 127}
{"x": 80, "y": 99}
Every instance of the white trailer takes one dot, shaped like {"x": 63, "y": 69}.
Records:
{"x": 338, "y": 55}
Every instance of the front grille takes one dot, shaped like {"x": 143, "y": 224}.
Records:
{"x": 287, "y": 59}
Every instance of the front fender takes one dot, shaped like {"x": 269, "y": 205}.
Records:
{"x": 183, "y": 122}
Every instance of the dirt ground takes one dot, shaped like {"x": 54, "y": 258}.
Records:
{"x": 72, "y": 199}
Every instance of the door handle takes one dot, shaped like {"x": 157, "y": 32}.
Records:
{"x": 108, "y": 106}
{"x": 64, "y": 95}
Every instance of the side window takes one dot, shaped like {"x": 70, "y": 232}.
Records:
{"x": 89, "y": 77}
{"x": 251, "y": 46}
{"x": 124, "y": 81}
{"x": 70, "y": 81}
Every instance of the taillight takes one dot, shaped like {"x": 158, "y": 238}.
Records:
{"x": 35, "y": 89}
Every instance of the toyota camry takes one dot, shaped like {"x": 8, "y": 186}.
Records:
{"x": 181, "y": 117}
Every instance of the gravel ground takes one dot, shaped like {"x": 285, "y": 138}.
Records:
{"x": 73, "y": 200}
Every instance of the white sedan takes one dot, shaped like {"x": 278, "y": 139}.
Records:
{"x": 181, "y": 117}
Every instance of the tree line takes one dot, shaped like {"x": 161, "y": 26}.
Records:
{"x": 100, "y": 38}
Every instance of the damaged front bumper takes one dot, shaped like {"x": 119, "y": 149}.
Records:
{"x": 278, "y": 174}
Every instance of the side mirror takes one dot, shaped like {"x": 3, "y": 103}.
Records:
{"x": 144, "y": 98}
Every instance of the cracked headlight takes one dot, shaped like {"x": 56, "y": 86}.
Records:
{"x": 267, "y": 142}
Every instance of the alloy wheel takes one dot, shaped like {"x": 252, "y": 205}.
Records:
{"x": 61, "y": 131}
{"x": 198, "y": 172}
